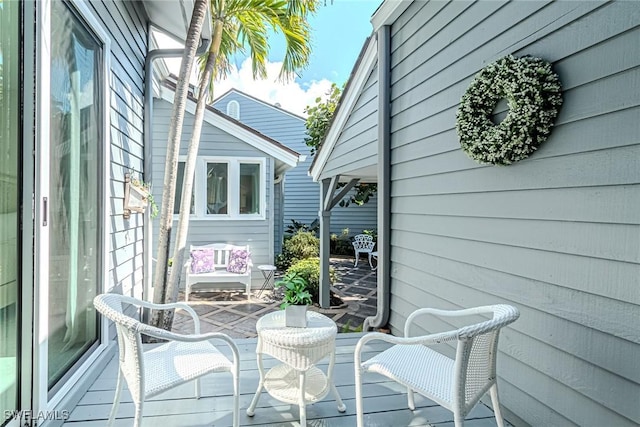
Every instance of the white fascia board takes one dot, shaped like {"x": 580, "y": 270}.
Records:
{"x": 346, "y": 106}
{"x": 388, "y": 12}
{"x": 242, "y": 134}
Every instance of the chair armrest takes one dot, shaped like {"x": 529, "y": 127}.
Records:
{"x": 431, "y": 339}
{"x": 371, "y": 245}
{"x": 487, "y": 309}
{"x": 152, "y": 331}
{"x": 153, "y": 306}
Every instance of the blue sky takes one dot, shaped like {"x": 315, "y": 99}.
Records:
{"x": 339, "y": 31}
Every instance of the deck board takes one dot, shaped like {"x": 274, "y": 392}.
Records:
{"x": 385, "y": 402}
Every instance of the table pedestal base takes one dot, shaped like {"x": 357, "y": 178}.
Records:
{"x": 285, "y": 384}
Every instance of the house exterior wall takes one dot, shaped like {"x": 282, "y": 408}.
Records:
{"x": 357, "y": 145}
{"x": 125, "y": 22}
{"x": 556, "y": 234}
{"x": 301, "y": 194}
{"x": 215, "y": 143}
{"x": 278, "y": 216}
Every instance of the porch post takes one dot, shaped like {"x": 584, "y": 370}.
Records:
{"x": 326, "y": 190}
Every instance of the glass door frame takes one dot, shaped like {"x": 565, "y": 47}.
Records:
{"x": 41, "y": 398}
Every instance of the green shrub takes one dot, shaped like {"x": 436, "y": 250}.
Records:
{"x": 297, "y": 226}
{"x": 309, "y": 269}
{"x": 341, "y": 245}
{"x": 372, "y": 233}
{"x": 302, "y": 245}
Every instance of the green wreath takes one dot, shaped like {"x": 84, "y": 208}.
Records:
{"x": 533, "y": 93}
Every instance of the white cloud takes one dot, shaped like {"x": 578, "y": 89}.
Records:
{"x": 291, "y": 96}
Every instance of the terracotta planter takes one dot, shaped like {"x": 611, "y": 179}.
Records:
{"x": 295, "y": 316}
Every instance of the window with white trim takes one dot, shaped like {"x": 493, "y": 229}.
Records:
{"x": 226, "y": 188}
{"x": 233, "y": 109}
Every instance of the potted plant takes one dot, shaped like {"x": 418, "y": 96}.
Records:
{"x": 296, "y": 299}
{"x": 137, "y": 196}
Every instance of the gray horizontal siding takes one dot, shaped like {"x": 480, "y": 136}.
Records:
{"x": 556, "y": 234}
{"x": 125, "y": 23}
{"x": 302, "y": 195}
{"x": 215, "y": 142}
{"x": 357, "y": 145}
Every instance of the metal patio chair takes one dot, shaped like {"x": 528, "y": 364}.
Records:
{"x": 183, "y": 358}
{"x": 363, "y": 243}
{"x": 455, "y": 384}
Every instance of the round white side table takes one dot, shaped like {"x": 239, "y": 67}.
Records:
{"x": 296, "y": 380}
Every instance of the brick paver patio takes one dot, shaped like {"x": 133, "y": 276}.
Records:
{"x": 230, "y": 311}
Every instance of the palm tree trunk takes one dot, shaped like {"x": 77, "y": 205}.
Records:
{"x": 189, "y": 169}
{"x": 171, "y": 163}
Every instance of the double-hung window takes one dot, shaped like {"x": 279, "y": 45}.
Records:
{"x": 226, "y": 188}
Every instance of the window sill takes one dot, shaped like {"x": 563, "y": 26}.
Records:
{"x": 224, "y": 218}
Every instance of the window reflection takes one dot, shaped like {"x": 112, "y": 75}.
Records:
{"x": 9, "y": 134}
{"x": 75, "y": 183}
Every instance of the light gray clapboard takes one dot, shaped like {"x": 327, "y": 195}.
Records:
{"x": 558, "y": 234}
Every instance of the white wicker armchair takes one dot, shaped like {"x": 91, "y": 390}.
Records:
{"x": 456, "y": 384}
{"x": 183, "y": 358}
{"x": 363, "y": 244}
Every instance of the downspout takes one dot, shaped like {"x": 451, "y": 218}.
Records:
{"x": 147, "y": 164}
{"x": 384, "y": 181}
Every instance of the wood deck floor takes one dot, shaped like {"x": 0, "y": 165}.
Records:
{"x": 385, "y": 402}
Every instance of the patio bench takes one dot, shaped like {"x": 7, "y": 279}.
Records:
{"x": 218, "y": 263}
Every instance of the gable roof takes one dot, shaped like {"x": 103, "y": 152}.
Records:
{"x": 285, "y": 156}
{"x": 260, "y": 101}
{"x": 358, "y": 78}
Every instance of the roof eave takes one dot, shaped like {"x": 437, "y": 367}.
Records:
{"x": 347, "y": 101}
{"x": 388, "y": 12}
{"x": 173, "y": 17}
{"x": 278, "y": 151}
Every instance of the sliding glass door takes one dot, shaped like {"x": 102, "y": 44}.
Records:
{"x": 74, "y": 180}
{"x": 9, "y": 190}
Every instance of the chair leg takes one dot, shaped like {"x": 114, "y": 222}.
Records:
{"x": 496, "y": 405}
{"x": 236, "y": 398}
{"x": 137, "y": 421}
{"x": 370, "y": 263}
{"x": 359, "y": 407}
{"x": 357, "y": 256}
{"x": 410, "y": 399}
{"x": 458, "y": 419}
{"x": 187, "y": 291}
{"x": 116, "y": 399}
{"x": 303, "y": 403}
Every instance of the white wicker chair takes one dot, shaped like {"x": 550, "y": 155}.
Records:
{"x": 183, "y": 358}
{"x": 456, "y": 384}
{"x": 363, "y": 243}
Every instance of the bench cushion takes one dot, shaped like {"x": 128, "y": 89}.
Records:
{"x": 238, "y": 261}
{"x": 202, "y": 260}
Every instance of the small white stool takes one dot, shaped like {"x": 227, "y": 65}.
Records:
{"x": 267, "y": 272}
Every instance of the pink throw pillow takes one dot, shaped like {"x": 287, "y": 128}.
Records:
{"x": 238, "y": 261}
{"x": 202, "y": 261}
